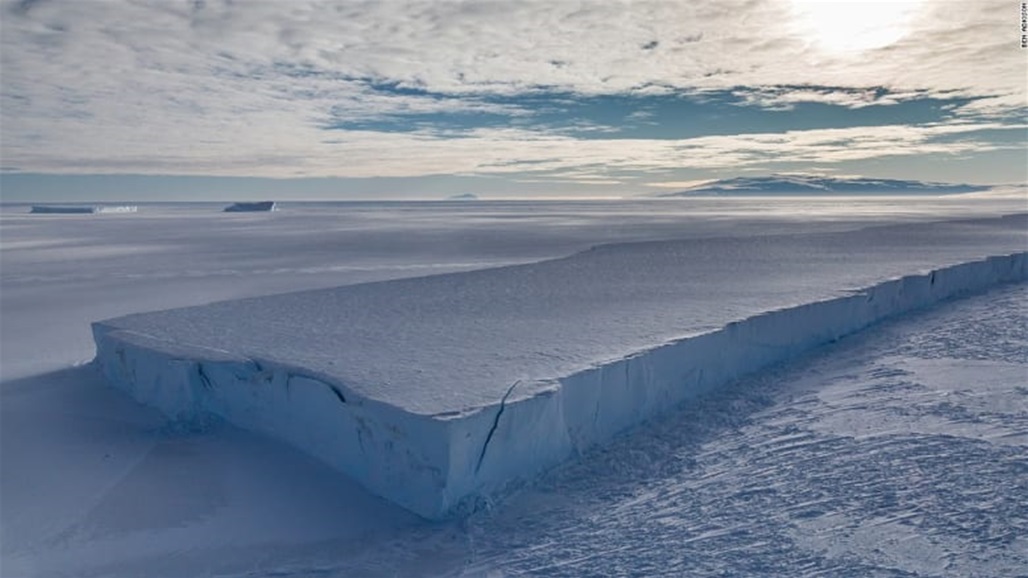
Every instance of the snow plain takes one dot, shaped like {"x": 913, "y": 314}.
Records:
{"x": 93, "y": 484}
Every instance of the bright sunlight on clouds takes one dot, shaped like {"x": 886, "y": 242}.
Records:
{"x": 854, "y": 26}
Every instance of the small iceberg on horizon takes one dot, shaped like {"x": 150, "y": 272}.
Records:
{"x": 81, "y": 209}
{"x": 251, "y": 207}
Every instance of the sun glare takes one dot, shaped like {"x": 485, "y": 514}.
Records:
{"x": 841, "y": 26}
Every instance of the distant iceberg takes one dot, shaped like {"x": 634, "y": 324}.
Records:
{"x": 81, "y": 209}
{"x": 66, "y": 209}
{"x": 253, "y": 207}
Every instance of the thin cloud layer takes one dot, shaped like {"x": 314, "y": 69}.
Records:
{"x": 357, "y": 89}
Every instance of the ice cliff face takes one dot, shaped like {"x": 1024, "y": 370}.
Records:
{"x": 436, "y": 450}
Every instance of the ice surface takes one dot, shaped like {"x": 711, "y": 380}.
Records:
{"x": 435, "y": 390}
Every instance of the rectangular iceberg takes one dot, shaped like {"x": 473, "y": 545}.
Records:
{"x": 63, "y": 209}
{"x": 81, "y": 209}
{"x": 251, "y": 207}
{"x": 435, "y": 391}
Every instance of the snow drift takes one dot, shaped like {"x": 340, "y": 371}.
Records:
{"x": 434, "y": 392}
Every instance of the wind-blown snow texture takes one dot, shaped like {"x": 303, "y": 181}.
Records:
{"x": 434, "y": 391}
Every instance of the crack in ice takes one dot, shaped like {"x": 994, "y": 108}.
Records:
{"x": 496, "y": 423}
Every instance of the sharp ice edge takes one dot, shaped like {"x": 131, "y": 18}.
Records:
{"x": 435, "y": 465}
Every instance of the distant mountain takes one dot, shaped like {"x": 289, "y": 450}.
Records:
{"x": 463, "y": 197}
{"x": 820, "y": 185}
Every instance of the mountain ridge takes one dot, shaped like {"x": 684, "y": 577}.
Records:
{"x": 793, "y": 184}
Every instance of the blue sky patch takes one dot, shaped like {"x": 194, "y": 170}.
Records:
{"x": 662, "y": 116}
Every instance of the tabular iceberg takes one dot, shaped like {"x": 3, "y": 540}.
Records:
{"x": 81, "y": 209}
{"x": 434, "y": 391}
{"x": 251, "y": 207}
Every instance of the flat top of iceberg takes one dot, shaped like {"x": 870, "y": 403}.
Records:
{"x": 451, "y": 343}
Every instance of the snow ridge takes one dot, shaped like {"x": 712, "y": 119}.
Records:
{"x": 435, "y": 465}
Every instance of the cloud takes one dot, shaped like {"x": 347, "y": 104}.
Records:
{"x": 511, "y": 152}
{"x": 787, "y": 97}
{"x": 246, "y": 88}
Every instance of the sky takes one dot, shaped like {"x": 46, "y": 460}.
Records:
{"x": 341, "y": 99}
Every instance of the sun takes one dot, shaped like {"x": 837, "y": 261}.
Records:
{"x": 849, "y": 27}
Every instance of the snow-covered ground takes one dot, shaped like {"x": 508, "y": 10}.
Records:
{"x": 93, "y": 484}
